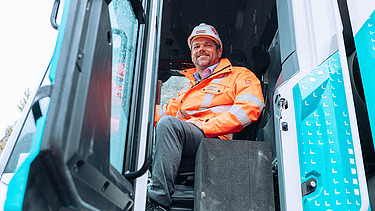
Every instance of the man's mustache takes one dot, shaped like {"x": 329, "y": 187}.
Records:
{"x": 203, "y": 53}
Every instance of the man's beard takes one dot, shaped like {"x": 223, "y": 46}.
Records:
{"x": 203, "y": 63}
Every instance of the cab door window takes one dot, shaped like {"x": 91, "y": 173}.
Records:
{"x": 171, "y": 87}
{"x": 124, "y": 35}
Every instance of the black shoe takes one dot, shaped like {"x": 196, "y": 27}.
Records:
{"x": 152, "y": 205}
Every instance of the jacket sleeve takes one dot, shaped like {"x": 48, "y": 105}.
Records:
{"x": 169, "y": 109}
{"x": 247, "y": 107}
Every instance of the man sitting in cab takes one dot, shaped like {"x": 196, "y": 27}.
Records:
{"x": 220, "y": 100}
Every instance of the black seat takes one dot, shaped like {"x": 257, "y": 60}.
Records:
{"x": 250, "y": 132}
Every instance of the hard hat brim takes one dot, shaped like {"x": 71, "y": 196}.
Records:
{"x": 204, "y": 35}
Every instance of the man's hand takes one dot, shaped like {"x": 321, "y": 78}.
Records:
{"x": 196, "y": 123}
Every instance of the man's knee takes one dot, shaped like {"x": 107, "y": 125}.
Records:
{"x": 166, "y": 122}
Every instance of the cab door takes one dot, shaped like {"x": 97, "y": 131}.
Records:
{"x": 89, "y": 146}
{"x": 318, "y": 145}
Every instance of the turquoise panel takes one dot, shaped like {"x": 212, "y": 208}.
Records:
{"x": 365, "y": 45}
{"x": 17, "y": 186}
{"x": 325, "y": 144}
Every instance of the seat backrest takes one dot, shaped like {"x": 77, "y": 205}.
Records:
{"x": 250, "y": 132}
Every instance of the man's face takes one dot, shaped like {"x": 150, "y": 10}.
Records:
{"x": 204, "y": 52}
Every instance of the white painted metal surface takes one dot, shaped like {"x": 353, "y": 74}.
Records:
{"x": 359, "y": 11}
{"x": 151, "y": 69}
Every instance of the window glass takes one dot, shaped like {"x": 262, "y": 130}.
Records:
{"x": 171, "y": 87}
{"x": 22, "y": 146}
{"x": 124, "y": 33}
{"x": 24, "y": 140}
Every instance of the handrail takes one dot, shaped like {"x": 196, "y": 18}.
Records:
{"x": 133, "y": 175}
{"x": 54, "y": 12}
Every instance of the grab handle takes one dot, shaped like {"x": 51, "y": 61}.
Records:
{"x": 54, "y": 12}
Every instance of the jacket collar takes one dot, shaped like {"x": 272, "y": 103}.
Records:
{"x": 223, "y": 67}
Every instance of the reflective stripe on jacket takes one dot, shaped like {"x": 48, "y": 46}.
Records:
{"x": 225, "y": 102}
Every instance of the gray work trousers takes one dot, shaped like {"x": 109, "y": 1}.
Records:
{"x": 175, "y": 140}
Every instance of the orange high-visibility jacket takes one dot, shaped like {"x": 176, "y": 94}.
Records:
{"x": 225, "y": 102}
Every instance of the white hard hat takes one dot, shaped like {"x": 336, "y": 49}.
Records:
{"x": 205, "y": 30}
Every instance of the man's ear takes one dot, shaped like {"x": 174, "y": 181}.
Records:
{"x": 219, "y": 52}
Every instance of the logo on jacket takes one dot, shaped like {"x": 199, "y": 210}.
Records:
{"x": 212, "y": 88}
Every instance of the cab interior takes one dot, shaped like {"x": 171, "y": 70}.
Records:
{"x": 246, "y": 28}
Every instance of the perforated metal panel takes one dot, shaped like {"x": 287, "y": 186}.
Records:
{"x": 325, "y": 143}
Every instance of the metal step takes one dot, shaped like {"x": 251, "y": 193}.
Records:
{"x": 183, "y": 198}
